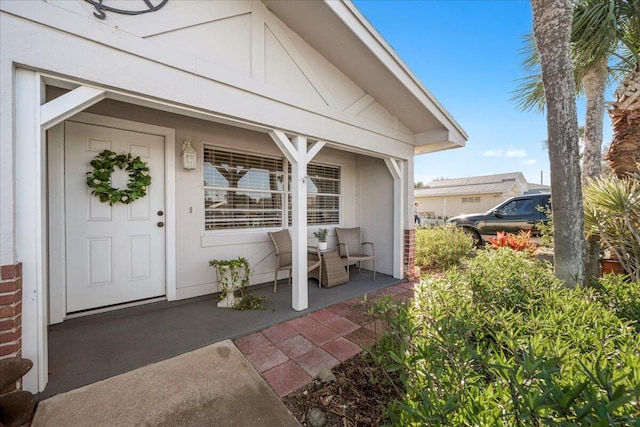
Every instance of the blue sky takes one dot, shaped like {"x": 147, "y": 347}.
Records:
{"x": 467, "y": 53}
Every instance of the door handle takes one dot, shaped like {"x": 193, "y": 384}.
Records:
{"x": 160, "y": 224}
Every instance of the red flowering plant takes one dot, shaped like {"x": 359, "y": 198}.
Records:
{"x": 517, "y": 242}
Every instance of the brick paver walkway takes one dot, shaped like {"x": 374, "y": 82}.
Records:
{"x": 290, "y": 354}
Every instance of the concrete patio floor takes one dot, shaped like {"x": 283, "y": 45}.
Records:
{"x": 92, "y": 348}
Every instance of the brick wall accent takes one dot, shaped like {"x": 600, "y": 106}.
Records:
{"x": 410, "y": 254}
{"x": 11, "y": 314}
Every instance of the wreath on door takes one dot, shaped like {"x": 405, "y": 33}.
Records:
{"x": 99, "y": 179}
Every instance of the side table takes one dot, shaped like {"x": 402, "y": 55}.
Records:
{"x": 333, "y": 271}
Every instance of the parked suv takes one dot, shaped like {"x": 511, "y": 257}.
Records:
{"x": 516, "y": 214}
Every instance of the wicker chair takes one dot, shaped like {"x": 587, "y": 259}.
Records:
{"x": 352, "y": 248}
{"x": 282, "y": 242}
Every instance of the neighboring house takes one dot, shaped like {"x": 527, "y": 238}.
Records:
{"x": 299, "y": 114}
{"x": 447, "y": 198}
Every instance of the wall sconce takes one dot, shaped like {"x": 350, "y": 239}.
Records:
{"x": 189, "y": 156}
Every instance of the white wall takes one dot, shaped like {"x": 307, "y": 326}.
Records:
{"x": 375, "y": 210}
{"x": 452, "y": 205}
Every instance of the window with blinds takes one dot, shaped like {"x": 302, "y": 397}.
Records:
{"x": 323, "y": 195}
{"x": 242, "y": 190}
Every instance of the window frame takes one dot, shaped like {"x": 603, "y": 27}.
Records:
{"x": 285, "y": 194}
{"x": 235, "y": 151}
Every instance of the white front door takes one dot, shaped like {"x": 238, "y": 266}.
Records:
{"x": 114, "y": 254}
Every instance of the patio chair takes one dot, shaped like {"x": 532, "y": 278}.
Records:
{"x": 352, "y": 248}
{"x": 282, "y": 242}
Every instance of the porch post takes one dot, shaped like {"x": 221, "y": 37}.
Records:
{"x": 296, "y": 152}
{"x": 395, "y": 169}
{"x": 300, "y": 289}
{"x": 30, "y": 228}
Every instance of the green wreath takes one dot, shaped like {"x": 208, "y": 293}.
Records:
{"x": 99, "y": 179}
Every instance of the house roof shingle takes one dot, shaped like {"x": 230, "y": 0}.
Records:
{"x": 484, "y": 184}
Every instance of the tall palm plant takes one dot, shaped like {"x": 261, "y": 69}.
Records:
{"x": 601, "y": 31}
{"x": 611, "y": 28}
{"x": 593, "y": 45}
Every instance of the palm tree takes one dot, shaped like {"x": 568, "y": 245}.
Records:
{"x": 591, "y": 74}
{"x": 611, "y": 29}
{"x": 552, "y": 21}
{"x": 602, "y": 29}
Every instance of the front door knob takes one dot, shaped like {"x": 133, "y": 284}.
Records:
{"x": 160, "y": 224}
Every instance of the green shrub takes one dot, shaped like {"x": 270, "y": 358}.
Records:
{"x": 441, "y": 247}
{"x": 546, "y": 228}
{"x": 623, "y": 297}
{"x": 504, "y": 279}
{"x": 508, "y": 345}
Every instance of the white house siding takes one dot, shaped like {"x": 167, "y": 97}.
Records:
{"x": 137, "y": 65}
{"x": 375, "y": 189}
{"x": 451, "y": 206}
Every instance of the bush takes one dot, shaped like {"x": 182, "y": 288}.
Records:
{"x": 616, "y": 292}
{"x": 442, "y": 247}
{"x": 506, "y": 280}
{"x": 546, "y": 228}
{"x": 509, "y": 345}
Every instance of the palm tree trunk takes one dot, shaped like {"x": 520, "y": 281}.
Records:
{"x": 552, "y": 21}
{"x": 624, "y": 152}
{"x": 594, "y": 82}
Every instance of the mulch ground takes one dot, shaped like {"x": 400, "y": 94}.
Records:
{"x": 356, "y": 398}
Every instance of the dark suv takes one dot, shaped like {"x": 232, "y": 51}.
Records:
{"x": 516, "y": 214}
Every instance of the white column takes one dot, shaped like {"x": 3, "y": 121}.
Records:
{"x": 296, "y": 152}
{"x": 300, "y": 289}
{"x": 30, "y": 225}
{"x": 395, "y": 169}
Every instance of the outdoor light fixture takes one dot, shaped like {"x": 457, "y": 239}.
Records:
{"x": 189, "y": 156}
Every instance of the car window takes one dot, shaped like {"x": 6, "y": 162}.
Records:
{"x": 518, "y": 207}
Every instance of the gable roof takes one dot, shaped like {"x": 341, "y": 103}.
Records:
{"x": 338, "y": 31}
{"x": 484, "y": 184}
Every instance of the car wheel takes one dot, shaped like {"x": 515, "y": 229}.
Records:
{"x": 477, "y": 240}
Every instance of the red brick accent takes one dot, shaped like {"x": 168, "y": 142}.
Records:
{"x": 11, "y": 314}
{"x": 9, "y": 350}
{"x": 409, "y": 253}
{"x": 8, "y": 272}
{"x": 11, "y": 297}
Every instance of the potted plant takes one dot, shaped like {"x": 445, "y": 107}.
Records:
{"x": 612, "y": 214}
{"x": 233, "y": 276}
{"x": 321, "y": 235}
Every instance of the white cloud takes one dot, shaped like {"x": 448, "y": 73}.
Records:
{"x": 512, "y": 152}
{"x": 529, "y": 162}
{"x": 492, "y": 153}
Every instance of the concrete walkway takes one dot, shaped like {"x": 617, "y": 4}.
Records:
{"x": 212, "y": 386}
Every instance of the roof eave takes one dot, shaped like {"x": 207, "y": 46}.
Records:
{"x": 438, "y": 140}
